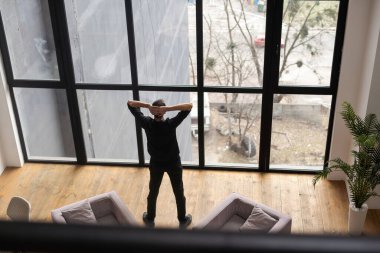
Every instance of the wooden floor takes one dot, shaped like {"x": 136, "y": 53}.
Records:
{"x": 322, "y": 209}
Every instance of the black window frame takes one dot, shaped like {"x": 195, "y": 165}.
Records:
{"x": 270, "y": 84}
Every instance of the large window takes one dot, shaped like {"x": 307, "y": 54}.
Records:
{"x": 45, "y": 122}
{"x": 108, "y": 127}
{"x": 232, "y": 129}
{"x": 262, "y": 77}
{"x": 99, "y": 41}
{"x": 299, "y": 131}
{"x": 307, "y": 48}
{"x": 30, "y": 39}
{"x": 164, "y": 35}
{"x": 233, "y": 44}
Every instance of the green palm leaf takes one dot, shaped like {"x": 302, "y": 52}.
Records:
{"x": 364, "y": 174}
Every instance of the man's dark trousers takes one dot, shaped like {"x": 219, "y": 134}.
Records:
{"x": 175, "y": 174}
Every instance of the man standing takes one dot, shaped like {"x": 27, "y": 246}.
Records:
{"x": 164, "y": 154}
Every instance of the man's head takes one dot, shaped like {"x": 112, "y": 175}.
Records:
{"x": 159, "y": 103}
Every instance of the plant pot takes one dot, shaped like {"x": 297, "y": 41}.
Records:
{"x": 356, "y": 219}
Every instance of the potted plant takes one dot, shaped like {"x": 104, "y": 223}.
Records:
{"x": 363, "y": 174}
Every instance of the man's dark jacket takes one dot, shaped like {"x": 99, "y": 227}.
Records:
{"x": 161, "y": 136}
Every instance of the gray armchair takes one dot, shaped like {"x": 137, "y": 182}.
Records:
{"x": 231, "y": 214}
{"x": 107, "y": 208}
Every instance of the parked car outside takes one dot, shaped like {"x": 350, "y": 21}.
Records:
{"x": 259, "y": 42}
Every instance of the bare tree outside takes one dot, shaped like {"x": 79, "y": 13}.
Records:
{"x": 234, "y": 57}
{"x": 229, "y": 63}
{"x": 305, "y": 24}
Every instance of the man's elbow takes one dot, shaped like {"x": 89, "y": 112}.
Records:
{"x": 190, "y": 106}
{"x": 132, "y": 103}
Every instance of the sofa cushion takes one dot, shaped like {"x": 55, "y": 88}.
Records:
{"x": 109, "y": 219}
{"x": 102, "y": 206}
{"x": 81, "y": 214}
{"x": 233, "y": 224}
{"x": 258, "y": 221}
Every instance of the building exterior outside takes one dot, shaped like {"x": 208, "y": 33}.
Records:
{"x": 100, "y": 52}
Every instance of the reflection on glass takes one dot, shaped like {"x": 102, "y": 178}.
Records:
{"x": 165, "y": 36}
{"x": 187, "y": 130}
{"x": 234, "y": 42}
{"x": 307, "y": 46}
{"x": 108, "y": 127}
{"x": 232, "y": 128}
{"x": 99, "y": 41}
{"x": 299, "y": 131}
{"x": 192, "y": 42}
{"x": 30, "y": 39}
{"x": 45, "y": 123}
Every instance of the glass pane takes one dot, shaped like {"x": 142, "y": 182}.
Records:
{"x": 99, "y": 41}
{"x": 232, "y": 128}
{"x": 30, "y": 39}
{"x": 234, "y": 42}
{"x": 165, "y": 36}
{"x": 308, "y": 36}
{"x": 186, "y": 132}
{"x": 299, "y": 131}
{"x": 45, "y": 123}
{"x": 108, "y": 127}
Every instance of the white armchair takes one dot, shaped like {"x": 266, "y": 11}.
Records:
{"x": 232, "y": 213}
{"x": 19, "y": 209}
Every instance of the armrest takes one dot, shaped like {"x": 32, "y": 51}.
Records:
{"x": 284, "y": 223}
{"x": 56, "y": 216}
{"x": 283, "y": 226}
{"x": 221, "y": 213}
{"x": 121, "y": 211}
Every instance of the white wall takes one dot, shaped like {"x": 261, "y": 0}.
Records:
{"x": 10, "y": 149}
{"x": 372, "y": 78}
{"x": 371, "y": 50}
{"x": 374, "y": 94}
{"x": 359, "y": 50}
{"x": 359, "y": 82}
{"x": 2, "y": 164}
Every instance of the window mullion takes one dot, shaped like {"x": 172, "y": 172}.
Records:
{"x": 66, "y": 70}
{"x": 199, "y": 36}
{"x": 335, "y": 70}
{"x": 134, "y": 75}
{"x": 270, "y": 78}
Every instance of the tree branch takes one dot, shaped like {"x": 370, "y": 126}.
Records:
{"x": 209, "y": 25}
{"x": 249, "y": 40}
{"x": 295, "y": 40}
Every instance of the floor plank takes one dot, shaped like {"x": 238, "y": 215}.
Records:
{"x": 290, "y": 202}
{"x": 310, "y": 213}
{"x": 319, "y": 210}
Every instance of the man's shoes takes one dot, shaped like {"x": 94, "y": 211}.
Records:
{"x": 186, "y": 222}
{"x": 148, "y": 222}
